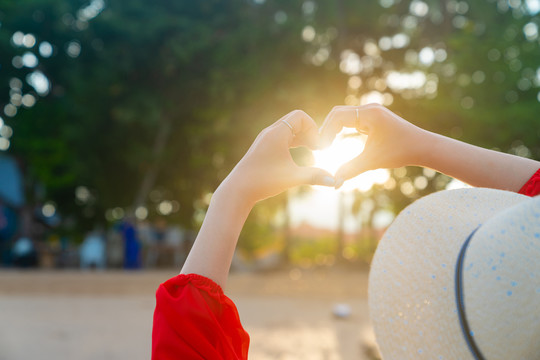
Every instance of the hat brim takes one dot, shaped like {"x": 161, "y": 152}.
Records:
{"x": 411, "y": 283}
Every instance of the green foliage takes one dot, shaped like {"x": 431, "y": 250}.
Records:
{"x": 262, "y": 233}
{"x": 175, "y": 91}
{"x": 310, "y": 252}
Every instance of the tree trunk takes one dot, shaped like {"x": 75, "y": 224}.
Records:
{"x": 341, "y": 228}
{"x": 148, "y": 182}
{"x": 286, "y": 231}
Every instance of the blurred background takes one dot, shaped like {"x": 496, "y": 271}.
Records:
{"x": 118, "y": 119}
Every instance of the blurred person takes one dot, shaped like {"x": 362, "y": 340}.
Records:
{"x": 160, "y": 230}
{"x": 24, "y": 253}
{"x": 114, "y": 248}
{"x": 68, "y": 256}
{"x": 12, "y": 198}
{"x": 193, "y": 318}
{"x": 132, "y": 247}
{"x": 174, "y": 240}
{"x": 92, "y": 251}
{"x": 158, "y": 248}
{"x": 147, "y": 238}
{"x": 8, "y": 226}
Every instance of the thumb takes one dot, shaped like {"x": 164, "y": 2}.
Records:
{"x": 315, "y": 176}
{"x": 352, "y": 168}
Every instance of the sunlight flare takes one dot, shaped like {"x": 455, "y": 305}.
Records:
{"x": 348, "y": 145}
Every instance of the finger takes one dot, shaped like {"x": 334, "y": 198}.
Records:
{"x": 336, "y": 120}
{"x": 355, "y": 167}
{"x": 344, "y": 116}
{"x": 309, "y": 137}
{"x": 331, "y": 127}
{"x": 299, "y": 129}
{"x": 314, "y": 176}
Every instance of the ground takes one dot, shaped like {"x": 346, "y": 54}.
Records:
{"x": 108, "y": 315}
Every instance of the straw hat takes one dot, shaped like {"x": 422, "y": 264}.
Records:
{"x": 457, "y": 276}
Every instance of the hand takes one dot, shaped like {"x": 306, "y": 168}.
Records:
{"x": 268, "y": 169}
{"x": 392, "y": 142}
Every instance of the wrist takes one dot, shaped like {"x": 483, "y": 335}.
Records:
{"x": 423, "y": 147}
{"x": 234, "y": 195}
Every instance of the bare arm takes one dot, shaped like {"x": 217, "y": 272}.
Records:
{"x": 394, "y": 142}
{"x": 212, "y": 252}
{"x": 475, "y": 165}
{"x": 266, "y": 170}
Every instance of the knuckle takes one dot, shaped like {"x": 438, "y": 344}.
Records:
{"x": 298, "y": 112}
{"x": 266, "y": 132}
{"x": 375, "y": 109}
{"x": 375, "y": 106}
{"x": 372, "y": 106}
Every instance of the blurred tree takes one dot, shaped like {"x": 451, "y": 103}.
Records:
{"x": 147, "y": 98}
{"x": 466, "y": 69}
{"x": 145, "y": 106}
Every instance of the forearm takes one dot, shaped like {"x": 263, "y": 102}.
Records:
{"x": 212, "y": 252}
{"x": 475, "y": 165}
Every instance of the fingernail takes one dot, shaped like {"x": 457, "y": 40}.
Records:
{"x": 328, "y": 181}
{"x": 339, "y": 182}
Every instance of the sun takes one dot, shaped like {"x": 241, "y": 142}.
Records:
{"x": 347, "y": 145}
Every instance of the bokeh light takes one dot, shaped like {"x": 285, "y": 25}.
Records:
{"x": 94, "y": 8}
{"x": 30, "y": 60}
{"x": 141, "y": 213}
{"x": 48, "y": 209}
{"x": 418, "y": 8}
{"x": 45, "y": 49}
{"x": 73, "y": 49}
{"x": 4, "y": 144}
{"x": 39, "y": 82}
{"x": 165, "y": 207}
{"x": 82, "y": 194}
{"x": 308, "y": 33}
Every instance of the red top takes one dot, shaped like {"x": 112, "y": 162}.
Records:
{"x": 193, "y": 319}
{"x": 532, "y": 187}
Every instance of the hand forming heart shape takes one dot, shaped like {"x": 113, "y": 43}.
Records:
{"x": 268, "y": 169}
{"x": 391, "y": 140}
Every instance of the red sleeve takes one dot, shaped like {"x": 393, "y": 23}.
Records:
{"x": 532, "y": 187}
{"x": 194, "y": 319}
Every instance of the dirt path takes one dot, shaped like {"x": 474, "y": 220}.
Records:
{"x": 108, "y": 315}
